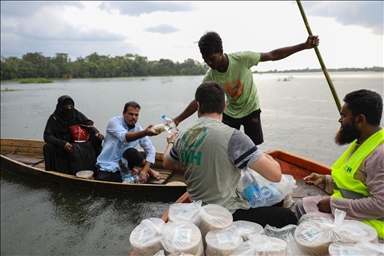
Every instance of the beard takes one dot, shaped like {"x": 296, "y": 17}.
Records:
{"x": 347, "y": 134}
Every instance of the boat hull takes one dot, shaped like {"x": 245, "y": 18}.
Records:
{"x": 32, "y": 168}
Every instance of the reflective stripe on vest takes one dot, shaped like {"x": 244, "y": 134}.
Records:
{"x": 350, "y": 195}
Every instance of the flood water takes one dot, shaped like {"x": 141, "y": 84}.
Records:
{"x": 299, "y": 115}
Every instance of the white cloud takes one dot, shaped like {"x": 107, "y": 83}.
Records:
{"x": 169, "y": 30}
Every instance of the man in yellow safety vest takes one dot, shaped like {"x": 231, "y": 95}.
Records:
{"x": 357, "y": 181}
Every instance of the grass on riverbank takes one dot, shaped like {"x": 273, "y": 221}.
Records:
{"x": 35, "y": 81}
{"x": 9, "y": 90}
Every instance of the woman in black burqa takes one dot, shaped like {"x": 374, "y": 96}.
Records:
{"x": 62, "y": 153}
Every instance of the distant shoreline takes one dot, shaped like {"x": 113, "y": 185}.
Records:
{"x": 374, "y": 69}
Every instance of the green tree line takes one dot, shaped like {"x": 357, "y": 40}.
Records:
{"x": 36, "y": 65}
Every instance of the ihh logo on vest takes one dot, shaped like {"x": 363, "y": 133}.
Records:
{"x": 193, "y": 139}
{"x": 348, "y": 169}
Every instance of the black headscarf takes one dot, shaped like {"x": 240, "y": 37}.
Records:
{"x": 62, "y": 113}
{"x": 65, "y": 117}
{"x": 57, "y": 128}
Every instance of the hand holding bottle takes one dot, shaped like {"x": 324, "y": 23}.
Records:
{"x": 149, "y": 131}
{"x": 169, "y": 124}
{"x": 171, "y": 137}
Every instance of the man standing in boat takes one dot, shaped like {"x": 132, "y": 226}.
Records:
{"x": 122, "y": 135}
{"x": 357, "y": 180}
{"x": 212, "y": 155}
{"x": 233, "y": 72}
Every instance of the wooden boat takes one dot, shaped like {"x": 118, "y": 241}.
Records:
{"x": 291, "y": 164}
{"x": 24, "y": 158}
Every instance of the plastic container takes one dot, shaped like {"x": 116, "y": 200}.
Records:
{"x": 313, "y": 236}
{"x": 251, "y": 189}
{"x": 262, "y": 245}
{"x": 86, "y": 174}
{"x": 146, "y": 237}
{"x": 124, "y": 169}
{"x": 214, "y": 217}
{"x": 185, "y": 212}
{"x": 181, "y": 238}
{"x": 246, "y": 228}
{"x": 169, "y": 125}
{"x": 222, "y": 241}
{"x": 360, "y": 248}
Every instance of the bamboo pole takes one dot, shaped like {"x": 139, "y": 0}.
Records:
{"x": 325, "y": 71}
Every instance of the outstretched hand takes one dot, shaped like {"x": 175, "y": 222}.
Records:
{"x": 151, "y": 132}
{"x": 314, "y": 179}
{"x": 312, "y": 41}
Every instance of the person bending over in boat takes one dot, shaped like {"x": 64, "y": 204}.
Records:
{"x": 72, "y": 142}
{"x": 213, "y": 156}
{"x": 356, "y": 184}
{"x": 233, "y": 72}
{"x": 122, "y": 135}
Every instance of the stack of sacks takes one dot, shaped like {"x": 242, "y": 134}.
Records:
{"x": 182, "y": 237}
{"x": 360, "y": 248}
{"x": 314, "y": 235}
{"x": 224, "y": 241}
{"x": 262, "y": 245}
{"x": 146, "y": 237}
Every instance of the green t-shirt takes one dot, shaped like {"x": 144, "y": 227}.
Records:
{"x": 240, "y": 89}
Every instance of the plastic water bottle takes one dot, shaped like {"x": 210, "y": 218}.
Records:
{"x": 124, "y": 169}
{"x": 169, "y": 125}
{"x": 251, "y": 189}
{"x": 271, "y": 194}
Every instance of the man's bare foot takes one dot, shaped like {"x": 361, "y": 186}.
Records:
{"x": 154, "y": 174}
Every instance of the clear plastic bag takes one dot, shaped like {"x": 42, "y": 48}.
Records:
{"x": 245, "y": 228}
{"x": 146, "y": 237}
{"x": 262, "y": 245}
{"x": 314, "y": 235}
{"x": 182, "y": 237}
{"x": 360, "y": 248}
{"x": 285, "y": 233}
{"x": 185, "y": 212}
{"x": 268, "y": 193}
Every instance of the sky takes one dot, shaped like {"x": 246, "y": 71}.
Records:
{"x": 350, "y": 32}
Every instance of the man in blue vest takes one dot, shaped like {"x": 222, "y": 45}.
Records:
{"x": 357, "y": 180}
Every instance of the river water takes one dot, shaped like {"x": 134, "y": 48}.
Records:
{"x": 299, "y": 115}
